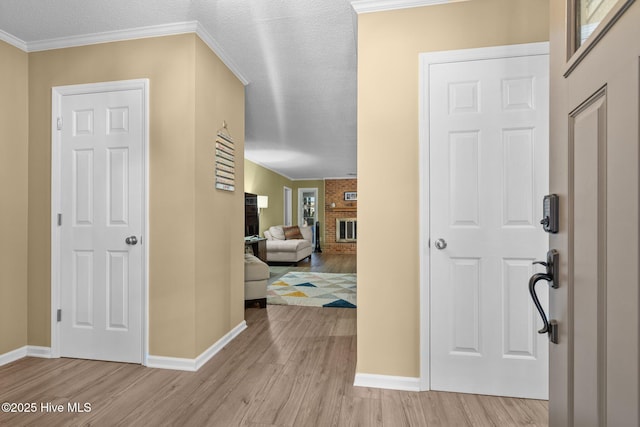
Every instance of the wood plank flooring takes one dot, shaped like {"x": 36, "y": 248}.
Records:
{"x": 322, "y": 262}
{"x": 293, "y": 366}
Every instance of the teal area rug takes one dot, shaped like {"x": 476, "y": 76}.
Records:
{"x": 314, "y": 290}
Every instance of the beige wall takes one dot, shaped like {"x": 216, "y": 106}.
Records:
{"x": 219, "y": 214}
{"x": 179, "y": 199}
{"x": 388, "y": 264}
{"x": 260, "y": 180}
{"x": 13, "y": 197}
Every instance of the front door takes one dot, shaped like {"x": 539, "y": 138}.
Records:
{"x": 595, "y": 89}
{"x": 307, "y": 208}
{"x": 101, "y": 155}
{"x": 488, "y": 173}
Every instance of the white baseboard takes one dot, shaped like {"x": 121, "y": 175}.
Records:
{"x": 182, "y": 364}
{"x": 13, "y": 355}
{"x": 387, "y": 381}
{"x": 37, "y": 351}
{"x": 27, "y": 350}
{"x": 152, "y": 361}
{"x": 176, "y": 363}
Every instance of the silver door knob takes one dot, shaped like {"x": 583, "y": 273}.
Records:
{"x": 440, "y": 244}
{"x": 131, "y": 240}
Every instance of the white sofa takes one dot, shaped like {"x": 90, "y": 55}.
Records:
{"x": 283, "y": 246}
{"x": 256, "y": 277}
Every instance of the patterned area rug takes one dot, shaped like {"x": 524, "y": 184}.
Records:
{"x": 314, "y": 289}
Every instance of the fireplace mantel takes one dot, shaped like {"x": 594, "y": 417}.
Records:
{"x": 342, "y": 209}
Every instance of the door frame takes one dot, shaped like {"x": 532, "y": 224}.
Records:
{"x": 287, "y": 196}
{"x": 300, "y": 210}
{"x": 425, "y": 61}
{"x": 57, "y": 93}
{"x": 300, "y": 204}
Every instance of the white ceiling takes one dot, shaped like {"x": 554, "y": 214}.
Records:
{"x": 299, "y": 57}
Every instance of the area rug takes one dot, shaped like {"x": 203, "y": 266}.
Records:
{"x": 314, "y": 290}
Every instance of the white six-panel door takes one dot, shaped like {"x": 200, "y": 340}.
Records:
{"x": 488, "y": 173}
{"x": 101, "y": 205}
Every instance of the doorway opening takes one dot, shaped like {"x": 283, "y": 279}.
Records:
{"x": 308, "y": 209}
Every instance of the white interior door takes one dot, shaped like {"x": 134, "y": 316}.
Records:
{"x": 102, "y": 208}
{"x": 488, "y": 174}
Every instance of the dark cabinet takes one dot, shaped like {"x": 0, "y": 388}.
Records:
{"x": 251, "y": 218}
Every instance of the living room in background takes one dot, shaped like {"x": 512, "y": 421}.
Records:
{"x": 261, "y": 181}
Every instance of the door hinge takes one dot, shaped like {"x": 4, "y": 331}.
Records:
{"x": 59, "y": 315}
{"x": 59, "y": 123}
{"x": 59, "y": 219}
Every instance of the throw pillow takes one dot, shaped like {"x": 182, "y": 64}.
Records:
{"x": 276, "y": 232}
{"x": 292, "y": 232}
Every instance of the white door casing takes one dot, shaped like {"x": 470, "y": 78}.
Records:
{"x": 99, "y": 167}
{"x": 287, "y": 196}
{"x": 313, "y": 193}
{"x": 485, "y": 136}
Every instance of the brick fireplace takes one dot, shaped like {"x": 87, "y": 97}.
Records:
{"x": 337, "y": 208}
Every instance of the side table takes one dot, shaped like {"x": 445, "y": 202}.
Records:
{"x": 259, "y": 247}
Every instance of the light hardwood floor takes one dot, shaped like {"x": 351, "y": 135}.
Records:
{"x": 293, "y": 366}
{"x": 323, "y": 262}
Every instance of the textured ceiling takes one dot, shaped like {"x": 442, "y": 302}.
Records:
{"x": 298, "y": 55}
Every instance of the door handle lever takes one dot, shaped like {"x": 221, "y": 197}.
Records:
{"x": 551, "y": 265}
{"x": 550, "y": 327}
{"x": 532, "y": 290}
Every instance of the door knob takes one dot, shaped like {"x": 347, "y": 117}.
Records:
{"x": 441, "y": 244}
{"x": 131, "y": 240}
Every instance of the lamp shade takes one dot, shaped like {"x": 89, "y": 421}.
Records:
{"x": 263, "y": 202}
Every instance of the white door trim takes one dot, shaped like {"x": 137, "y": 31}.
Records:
{"x": 426, "y": 60}
{"x": 300, "y": 204}
{"x": 287, "y": 194}
{"x": 56, "y": 192}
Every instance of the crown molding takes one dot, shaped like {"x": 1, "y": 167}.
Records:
{"x": 13, "y": 41}
{"x": 369, "y": 6}
{"x": 208, "y": 39}
{"x": 114, "y": 36}
{"x": 189, "y": 27}
{"x": 342, "y": 178}
{"x": 262, "y": 165}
